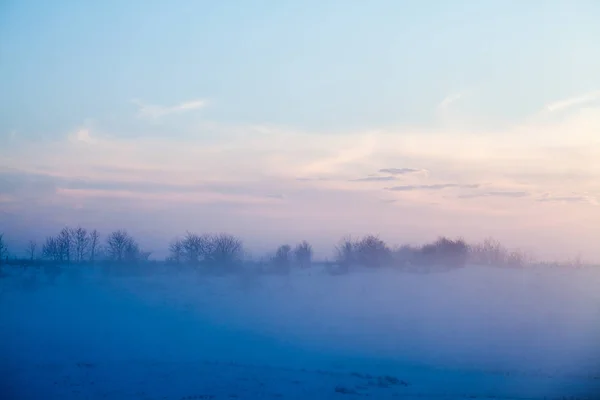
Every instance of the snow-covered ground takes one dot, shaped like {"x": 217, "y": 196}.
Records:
{"x": 476, "y": 332}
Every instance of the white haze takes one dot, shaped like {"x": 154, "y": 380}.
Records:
{"x": 500, "y": 323}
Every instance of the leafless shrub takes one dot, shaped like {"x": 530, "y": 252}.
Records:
{"x": 345, "y": 254}
{"x": 370, "y": 251}
{"x": 444, "y": 251}
{"x": 489, "y": 252}
{"x": 492, "y": 252}
{"x": 405, "y": 255}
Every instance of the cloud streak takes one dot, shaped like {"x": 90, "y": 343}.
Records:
{"x": 375, "y": 179}
{"x": 515, "y": 194}
{"x": 573, "y": 101}
{"x": 402, "y": 171}
{"x": 151, "y": 111}
{"x": 439, "y": 186}
{"x": 451, "y": 99}
{"x": 568, "y": 199}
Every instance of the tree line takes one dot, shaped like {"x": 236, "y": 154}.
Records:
{"x": 226, "y": 252}
{"x": 78, "y": 245}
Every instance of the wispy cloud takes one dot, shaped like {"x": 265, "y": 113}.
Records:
{"x": 573, "y": 101}
{"x": 375, "y": 179}
{"x": 451, "y": 99}
{"x": 152, "y": 111}
{"x": 402, "y": 171}
{"x": 495, "y": 194}
{"x": 83, "y": 135}
{"x": 347, "y": 156}
{"x": 439, "y": 186}
{"x": 575, "y": 198}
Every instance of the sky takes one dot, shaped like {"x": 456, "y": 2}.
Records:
{"x": 282, "y": 121}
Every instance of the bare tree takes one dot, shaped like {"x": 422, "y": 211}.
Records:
{"x": 65, "y": 244}
{"x": 197, "y": 248}
{"x": 226, "y": 250}
{"x": 81, "y": 243}
{"x": 176, "y": 251}
{"x": 94, "y": 239}
{"x": 59, "y": 247}
{"x": 303, "y": 254}
{"x": 490, "y": 252}
{"x": 132, "y": 251}
{"x": 282, "y": 259}
{"x": 345, "y": 252}
{"x": 51, "y": 249}
{"x": 443, "y": 252}
{"x": 371, "y": 251}
{"x": 120, "y": 245}
{"x": 31, "y": 247}
{"x": 3, "y": 249}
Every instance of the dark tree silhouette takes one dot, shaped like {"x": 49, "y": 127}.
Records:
{"x": 59, "y": 248}
{"x": 3, "y": 249}
{"x": 444, "y": 252}
{"x": 121, "y": 246}
{"x": 303, "y": 253}
{"x": 94, "y": 243}
{"x": 371, "y": 251}
{"x": 225, "y": 251}
{"x": 31, "y": 248}
{"x": 81, "y": 243}
{"x": 176, "y": 251}
{"x": 197, "y": 248}
{"x": 405, "y": 255}
{"x": 222, "y": 250}
{"x": 50, "y": 249}
{"x": 65, "y": 244}
{"x": 53, "y": 250}
{"x": 345, "y": 252}
{"x": 282, "y": 259}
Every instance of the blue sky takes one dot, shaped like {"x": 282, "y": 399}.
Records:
{"x": 273, "y": 119}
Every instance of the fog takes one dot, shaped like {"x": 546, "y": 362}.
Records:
{"x": 473, "y": 331}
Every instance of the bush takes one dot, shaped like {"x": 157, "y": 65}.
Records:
{"x": 405, "y": 255}
{"x": 226, "y": 252}
{"x": 281, "y": 261}
{"x": 491, "y": 252}
{"x": 303, "y": 253}
{"x": 217, "y": 253}
{"x": 372, "y": 252}
{"x": 443, "y": 252}
{"x": 345, "y": 253}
